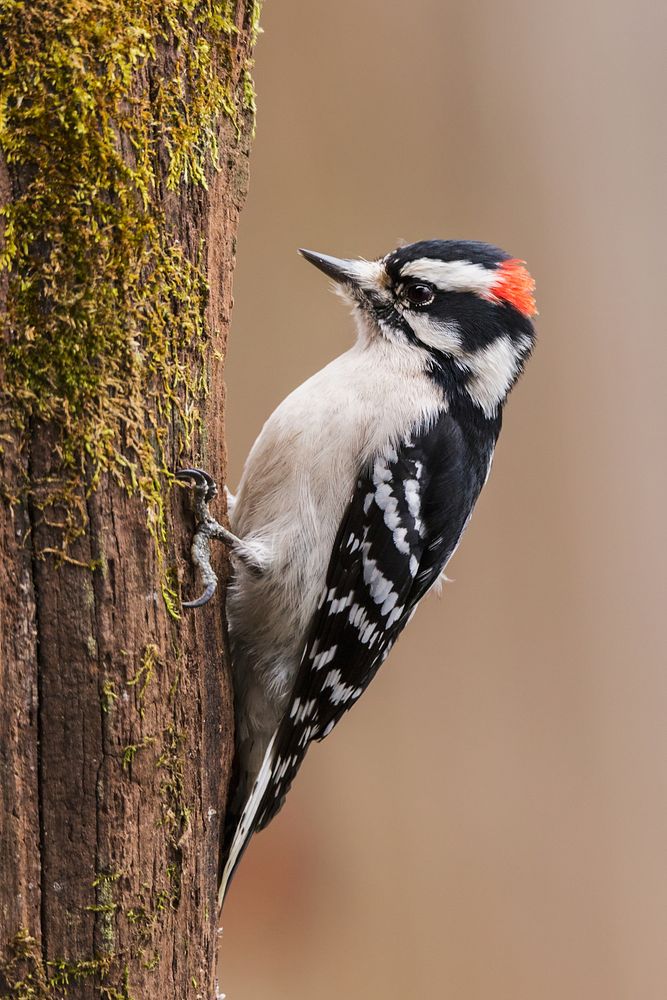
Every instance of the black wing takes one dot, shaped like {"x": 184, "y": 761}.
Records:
{"x": 402, "y": 524}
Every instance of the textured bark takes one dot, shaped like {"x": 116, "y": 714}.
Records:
{"x": 116, "y": 727}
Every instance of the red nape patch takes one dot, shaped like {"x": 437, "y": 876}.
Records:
{"x": 515, "y": 285}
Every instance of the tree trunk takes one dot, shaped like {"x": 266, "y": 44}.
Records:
{"x": 125, "y": 131}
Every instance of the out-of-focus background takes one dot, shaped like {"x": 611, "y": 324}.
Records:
{"x": 490, "y": 821}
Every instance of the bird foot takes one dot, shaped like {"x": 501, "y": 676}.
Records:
{"x": 206, "y": 528}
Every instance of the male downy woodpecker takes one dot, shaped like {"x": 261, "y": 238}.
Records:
{"x": 355, "y": 496}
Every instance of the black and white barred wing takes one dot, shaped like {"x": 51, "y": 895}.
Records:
{"x": 362, "y": 609}
{"x": 402, "y": 523}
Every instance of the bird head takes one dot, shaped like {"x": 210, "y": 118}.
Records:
{"x": 465, "y": 306}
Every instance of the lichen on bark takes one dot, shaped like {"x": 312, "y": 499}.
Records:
{"x": 106, "y": 108}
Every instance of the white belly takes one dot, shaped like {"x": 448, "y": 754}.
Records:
{"x": 297, "y": 482}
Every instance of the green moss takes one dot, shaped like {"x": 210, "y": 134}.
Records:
{"x": 138, "y": 915}
{"x": 163, "y": 901}
{"x": 64, "y": 973}
{"x": 104, "y": 105}
{"x": 173, "y": 689}
{"x": 108, "y": 695}
{"x": 175, "y": 812}
{"x": 22, "y": 969}
{"x": 144, "y": 674}
{"x": 105, "y": 878}
{"x": 148, "y": 911}
{"x": 255, "y": 15}
{"x": 249, "y": 96}
{"x": 170, "y": 592}
{"x": 27, "y": 978}
{"x": 112, "y": 993}
{"x": 132, "y": 749}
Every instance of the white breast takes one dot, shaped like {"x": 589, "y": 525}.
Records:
{"x": 298, "y": 479}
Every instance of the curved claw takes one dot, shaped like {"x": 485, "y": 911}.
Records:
{"x": 205, "y": 491}
{"x": 201, "y": 479}
{"x": 204, "y": 599}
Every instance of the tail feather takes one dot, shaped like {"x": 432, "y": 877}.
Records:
{"x": 248, "y": 822}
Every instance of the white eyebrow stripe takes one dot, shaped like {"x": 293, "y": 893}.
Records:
{"x": 453, "y": 275}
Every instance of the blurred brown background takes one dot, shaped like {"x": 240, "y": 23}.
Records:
{"x": 491, "y": 820}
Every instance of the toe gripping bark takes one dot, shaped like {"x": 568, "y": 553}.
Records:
{"x": 206, "y": 528}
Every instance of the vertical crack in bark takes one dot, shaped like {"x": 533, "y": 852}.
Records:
{"x": 39, "y": 776}
{"x": 99, "y": 868}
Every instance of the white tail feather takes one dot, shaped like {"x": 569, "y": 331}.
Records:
{"x": 246, "y": 823}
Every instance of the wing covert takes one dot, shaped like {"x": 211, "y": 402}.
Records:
{"x": 403, "y": 522}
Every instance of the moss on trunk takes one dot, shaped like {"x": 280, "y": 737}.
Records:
{"x": 105, "y": 109}
{"x": 124, "y": 136}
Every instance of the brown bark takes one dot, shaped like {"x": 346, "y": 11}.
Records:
{"x": 116, "y": 727}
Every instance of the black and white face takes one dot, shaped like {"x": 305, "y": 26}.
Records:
{"x": 467, "y": 306}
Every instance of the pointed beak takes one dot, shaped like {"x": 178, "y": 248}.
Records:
{"x": 363, "y": 274}
{"x": 334, "y": 267}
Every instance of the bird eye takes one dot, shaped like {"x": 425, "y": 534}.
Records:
{"x": 419, "y": 293}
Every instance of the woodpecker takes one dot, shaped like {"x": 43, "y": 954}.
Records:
{"x": 355, "y": 496}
